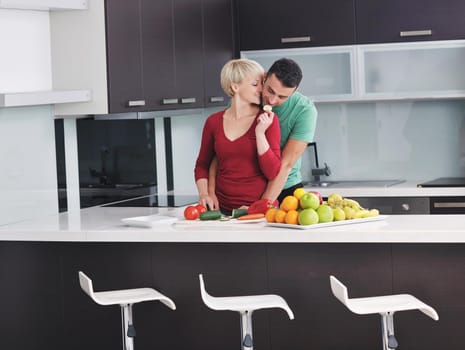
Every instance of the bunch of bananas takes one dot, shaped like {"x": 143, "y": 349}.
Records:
{"x": 348, "y": 209}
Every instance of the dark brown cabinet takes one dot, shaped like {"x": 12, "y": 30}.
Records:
{"x": 167, "y": 54}
{"x": 381, "y": 21}
{"x": 295, "y": 23}
{"x": 219, "y": 47}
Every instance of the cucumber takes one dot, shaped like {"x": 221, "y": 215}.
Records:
{"x": 236, "y": 213}
{"x": 210, "y": 215}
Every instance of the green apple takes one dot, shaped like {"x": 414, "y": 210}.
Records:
{"x": 308, "y": 217}
{"x": 309, "y": 200}
{"x": 325, "y": 213}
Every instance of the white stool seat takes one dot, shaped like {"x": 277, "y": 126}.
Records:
{"x": 125, "y": 298}
{"x": 385, "y": 305}
{"x": 245, "y": 305}
{"x": 380, "y": 304}
{"x": 131, "y": 296}
{"x": 249, "y": 302}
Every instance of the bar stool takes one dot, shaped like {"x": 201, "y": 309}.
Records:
{"x": 385, "y": 305}
{"x": 245, "y": 305}
{"x": 126, "y": 298}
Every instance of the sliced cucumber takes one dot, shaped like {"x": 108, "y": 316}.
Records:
{"x": 210, "y": 215}
{"x": 236, "y": 213}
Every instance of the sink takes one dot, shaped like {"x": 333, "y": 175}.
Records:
{"x": 117, "y": 185}
{"x": 320, "y": 183}
{"x": 354, "y": 183}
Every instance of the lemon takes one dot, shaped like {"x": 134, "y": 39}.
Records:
{"x": 299, "y": 192}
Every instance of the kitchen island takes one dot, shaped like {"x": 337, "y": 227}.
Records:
{"x": 44, "y": 307}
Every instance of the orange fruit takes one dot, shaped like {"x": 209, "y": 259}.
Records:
{"x": 280, "y": 215}
{"x": 270, "y": 215}
{"x": 289, "y": 203}
{"x": 292, "y": 217}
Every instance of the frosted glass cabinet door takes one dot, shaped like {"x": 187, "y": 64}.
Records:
{"x": 327, "y": 72}
{"x": 423, "y": 70}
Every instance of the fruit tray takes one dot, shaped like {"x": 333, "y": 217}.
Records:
{"x": 328, "y": 224}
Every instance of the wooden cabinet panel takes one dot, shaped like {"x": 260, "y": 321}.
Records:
{"x": 300, "y": 273}
{"x": 110, "y": 266}
{"x": 159, "y": 52}
{"x": 219, "y": 47}
{"x": 228, "y": 269}
{"x": 297, "y": 23}
{"x": 124, "y": 55}
{"x": 383, "y": 21}
{"x": 30, "y": 296}
{"x": 434, "y": 273}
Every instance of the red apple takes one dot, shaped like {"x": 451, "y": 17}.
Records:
{"x": 318, "y": 195}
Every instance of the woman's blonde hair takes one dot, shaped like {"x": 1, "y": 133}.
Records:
{"x": 236, "y": 70}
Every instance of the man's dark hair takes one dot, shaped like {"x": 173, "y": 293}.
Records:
{"x": 287, "y": 71}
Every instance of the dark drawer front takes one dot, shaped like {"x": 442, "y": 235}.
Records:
{"x": 447, "y": 205}
{"x": 397, "y": 205}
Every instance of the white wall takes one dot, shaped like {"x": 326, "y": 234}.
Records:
{"x": 28, "y": 177}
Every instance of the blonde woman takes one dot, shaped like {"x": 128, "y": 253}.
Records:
{"x": 244, "y": 139}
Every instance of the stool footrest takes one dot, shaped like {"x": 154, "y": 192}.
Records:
{"x": 131, "y": 331}
{"x": 248, "y": 343}
{"x": 392, "y": 342}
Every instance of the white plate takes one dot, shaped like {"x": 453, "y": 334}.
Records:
{"x": 328, "y": 224}
{"x": 149, "y": 220}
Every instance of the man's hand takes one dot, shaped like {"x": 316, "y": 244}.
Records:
{"x": 291, "y": 153}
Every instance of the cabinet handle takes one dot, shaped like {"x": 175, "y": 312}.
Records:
{"x": 217, "y": 99}
{"x": 188, "y": 100}
{"x": 406, "y": 207}
{"x": 136, "y": 103}
{"x": 449, "y": 204}
{"x": 297, "y": 39}
{"x": 426, "y": 32}
{"x": 169, "y": 101}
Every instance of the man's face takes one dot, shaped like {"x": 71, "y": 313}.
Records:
{"x": 274, "y": 92}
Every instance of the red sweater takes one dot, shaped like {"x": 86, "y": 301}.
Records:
{"x": 242, "y": 175}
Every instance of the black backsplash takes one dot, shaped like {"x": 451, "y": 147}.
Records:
{"x": 116, "y": 152}
{"x": 117, "y": 160}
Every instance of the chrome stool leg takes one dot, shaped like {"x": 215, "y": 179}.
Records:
{"x": 246, "y": 330}
{"x": 127, "y": 328}
{"x": 387, "y": 329}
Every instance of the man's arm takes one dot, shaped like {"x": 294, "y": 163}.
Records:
{"x": 291, "y": 153}
{"x": 213, "y": 205}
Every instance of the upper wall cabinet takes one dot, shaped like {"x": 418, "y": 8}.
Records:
{"x": 44, "y": 5}
{"x": 381, "y": 21}
{"x": 156, "y": 59}
{"x": 295, "y": 23}
{"x": 157, "y": 55}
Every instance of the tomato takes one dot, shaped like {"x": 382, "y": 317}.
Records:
{"x": 191, "y": 213}
{"x": 201, "y": 208}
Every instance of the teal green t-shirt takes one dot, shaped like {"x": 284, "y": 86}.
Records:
{"x": 297, "y": 118}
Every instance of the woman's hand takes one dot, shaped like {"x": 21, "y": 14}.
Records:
{"x": 210, "y": 201}
{"x": 264, "y": 121}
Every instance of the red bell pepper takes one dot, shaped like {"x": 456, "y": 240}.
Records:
{"x": 260, "y": 206}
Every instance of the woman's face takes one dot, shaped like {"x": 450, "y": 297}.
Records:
{"x": 250, "y": 89}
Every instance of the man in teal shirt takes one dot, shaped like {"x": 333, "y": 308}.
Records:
{"x": 297, "y": 118}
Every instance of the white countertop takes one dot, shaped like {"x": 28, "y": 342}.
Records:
{"x": 103, "y": 224}
{"x": 404, "y": 189}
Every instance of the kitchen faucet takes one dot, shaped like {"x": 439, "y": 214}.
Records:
{"x": 317, "y": 172}
{"x": 102, "y": 175}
